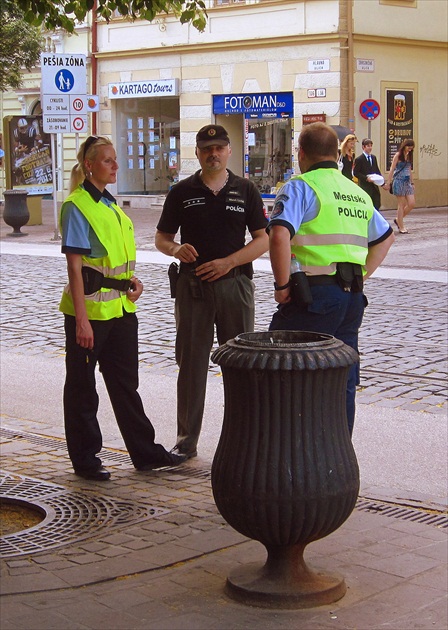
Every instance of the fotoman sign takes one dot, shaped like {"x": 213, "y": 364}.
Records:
{"x": 270, "y": 104}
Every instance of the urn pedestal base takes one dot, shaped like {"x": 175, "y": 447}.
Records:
{"x": 284, "y": 581}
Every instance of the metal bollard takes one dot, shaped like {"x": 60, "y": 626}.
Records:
{"x": 285, "y": 471}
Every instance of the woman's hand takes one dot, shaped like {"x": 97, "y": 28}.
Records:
{"x": 84, "y": 333}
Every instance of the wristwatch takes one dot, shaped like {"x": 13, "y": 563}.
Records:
{"x": 283, "y": 286}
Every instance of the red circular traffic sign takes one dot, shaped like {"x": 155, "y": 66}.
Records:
{"x": 369, "y": 109}
{"x": 78, "y": 104}
{"x": 78, "y": 124}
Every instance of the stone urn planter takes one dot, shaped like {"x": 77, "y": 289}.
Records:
{"x": 16, "y": 213}
{"x": 285, "y": 471}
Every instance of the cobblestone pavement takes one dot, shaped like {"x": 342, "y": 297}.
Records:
{"x": 403, "y": 339}
{"x": 150, "y": 550}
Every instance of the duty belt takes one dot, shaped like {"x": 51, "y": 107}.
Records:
{"x": 314, "y": 281}
{"x": 94, "y": 281}
{"x": 348, "y": 276}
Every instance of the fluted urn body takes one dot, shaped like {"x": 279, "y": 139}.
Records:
{"x": 16, "y": 213}
{"x": 285, "y": 471}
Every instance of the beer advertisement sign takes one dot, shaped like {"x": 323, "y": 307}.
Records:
{"x": 400, "y": 120}
{"x": 30, "y": 155}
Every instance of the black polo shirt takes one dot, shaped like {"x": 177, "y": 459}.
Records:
{"x": 214, "y": 224}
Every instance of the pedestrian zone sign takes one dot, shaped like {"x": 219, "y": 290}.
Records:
{"x": 64, "y": 92}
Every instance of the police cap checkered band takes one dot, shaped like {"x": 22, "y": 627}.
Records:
{"x": 212, "y": 134}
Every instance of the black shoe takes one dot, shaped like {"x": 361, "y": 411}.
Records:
{"x": 100, "y": 474}
{"x": 177, "y": 450}
{"x": 163, "y": 460}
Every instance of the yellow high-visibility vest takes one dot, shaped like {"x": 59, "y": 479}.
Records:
{"x": 116, "y": 233}
{"x": 339, "y": 233}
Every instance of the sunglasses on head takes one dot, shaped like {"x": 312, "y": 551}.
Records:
{"x": 89, "y": 142}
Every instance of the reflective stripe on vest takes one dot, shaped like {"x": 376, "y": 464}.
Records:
{"x": 115, "y": 231}
{"x": 339, "y": 232}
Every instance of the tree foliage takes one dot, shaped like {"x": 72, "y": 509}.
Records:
{"x": 20, "y": 45}
{"x": 65, "y": 14}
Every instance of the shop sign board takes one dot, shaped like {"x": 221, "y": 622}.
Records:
{"x": 399, "y": 120}
{"x": 63, "y": 92}
{"x": 307, "y": 119}
{"x": 258, "y": 105}
{"x": 144, "y": 89}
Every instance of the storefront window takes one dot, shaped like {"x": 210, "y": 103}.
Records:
{"x": 148, "y": 144}
{"x": 269, "y": 146}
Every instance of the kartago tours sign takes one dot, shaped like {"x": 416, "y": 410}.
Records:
{"x": 29, "y": 153}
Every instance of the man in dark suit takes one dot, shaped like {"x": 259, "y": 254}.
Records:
{"x": 365, "y": 166}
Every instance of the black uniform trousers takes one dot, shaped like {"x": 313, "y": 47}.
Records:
{"x": 200, "y": 306}
{"x": 116, "y": 352}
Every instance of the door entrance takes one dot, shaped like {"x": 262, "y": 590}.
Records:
{"x": 148, "y": 132}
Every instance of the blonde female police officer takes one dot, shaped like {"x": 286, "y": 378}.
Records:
{"x": 100, "y": 322}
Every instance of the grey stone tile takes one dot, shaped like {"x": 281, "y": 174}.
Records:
{"x": 403, "y": 564}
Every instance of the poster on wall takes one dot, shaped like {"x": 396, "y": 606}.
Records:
{"x": 30, "y": 149}
{"x": 400, "y": 120}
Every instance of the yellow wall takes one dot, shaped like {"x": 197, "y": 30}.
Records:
{"x": 422, "y": 68}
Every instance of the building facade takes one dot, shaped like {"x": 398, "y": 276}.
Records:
{"x": 263, "y": 69}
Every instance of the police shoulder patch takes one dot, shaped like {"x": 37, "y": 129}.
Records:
{"x": 277, "y": 209}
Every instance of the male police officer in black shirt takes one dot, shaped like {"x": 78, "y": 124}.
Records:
{"x": 212, "y": 209}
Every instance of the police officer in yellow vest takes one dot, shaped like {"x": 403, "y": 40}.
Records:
{"x": 339, "y": 239}
{"x": 100, "y": 322}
